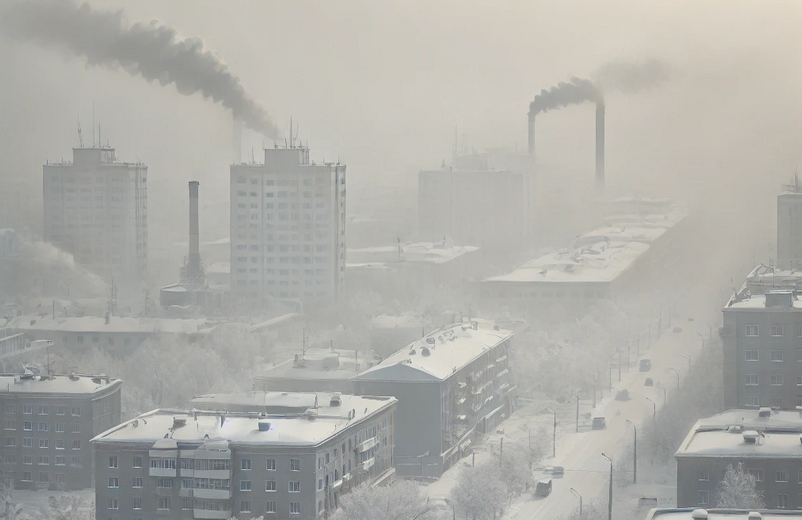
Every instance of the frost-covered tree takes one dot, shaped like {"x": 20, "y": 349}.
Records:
{"x": 480, "y": 492}
{"x": 399, "y": 501}
{"x": 738, "y": 490}
{"x": 514, "y": 470}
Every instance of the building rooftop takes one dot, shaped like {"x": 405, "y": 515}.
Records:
{"x": 600, "y": 255}
{"x": 745, "y": 433}
{"x": 438, "y": 355}
{"x": 310, "y": 428}
{"x": 116, "y": 324}
{"x": 722, "y": 514}
{"x": 30, "y": 381}
{"x": 420, "y": 252}
{"x": 384, "y": 321}
{"x": 321, "y": 364}
{"x": 761, "y": 280}
{"x": 258, "y": 401}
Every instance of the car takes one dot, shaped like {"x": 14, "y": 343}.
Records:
{"x": 558, "y": 471}
{"x": 543, "y": 488}
{"x": 599, "y": 423}
{"x": 648, "y": 382}
{"x": 645, "y": 365}
{"x": 622, "y": 395}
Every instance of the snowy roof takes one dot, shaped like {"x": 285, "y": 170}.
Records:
{"x": 58, "y": 384}
{"x": 384, "y": 321}
{"x": 722, "y": 514}
{"x": 306, "y": 429}
{"x": 420, "y": 252}
{"x": 116, "y": 324}
{"x": 218, "y": 268}
{"x": 449, "y": 348}
{"x": 758, "y": 302}
{"x": 319, "y": 363}
{"x": 258, "y": 401}
{"x": 598, "y": 256}
{"x": 722, "y": 435}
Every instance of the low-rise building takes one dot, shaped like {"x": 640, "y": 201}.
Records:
{"x": 688, "y": 513}
{"x": 216, "y": 464}
{"x": 766, "y": 441}
{"x": 48, "y": 421}
{"x": 449, "y": 384}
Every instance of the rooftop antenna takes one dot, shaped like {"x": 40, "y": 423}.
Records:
{"x": 93, "y": 123}
{"x": 291, "y": 145}
{"x": 99, "y": 138}
{"x": 80, "y": 136}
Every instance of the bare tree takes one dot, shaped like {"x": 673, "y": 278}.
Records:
{"x": 480, "y": 492}
{"x": 738, "y": 490}
{"x": 399, "y": 501}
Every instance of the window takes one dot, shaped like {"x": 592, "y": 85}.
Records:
{"x": 76, "y": 461}
{"x": 164, "y": 483}
{"x": 59, "y": 444}
{"x": 245, "y": 464}
{"x": 27, "y": 426}
{"x": 751, "y": 400}
{"x": 137, "y": 504}
{"x": 44, "y": 409}
{"x": 776, "y": 402}
{"x": 271, "y": 464}
{"x": 270, "y": 485}
{"x": 757, "y": 473}
{"x": 27, "y": 476}
{"x": 113, "y": 462}
{"x": 244, "y": 485}
{"x": 9, "y": 425}
{"x": 27, "y": 409}
{"x": 162, "y": 463}
{"x": 27, "y": 459}
{"x": 164, "y": 503}
{"x": 137, "y": 462}
{"x": 777, "y": 356}
{"x": 776, "y": 330}
{"x": 137, "y": 482}
{"x": 59, "y": 427}
{"x": 799, "y": 477}
{"x": 44, "y": 461}
{"x": 112, "y": 503}
{"x": 114, "y": 482}
{"x": 271, "y": 507}
{"x": 752, "y": 355}
{"x": 782, "y": 501}
{"x": 44, "y": 443}
{"x": 61, "y": 410}
{"x": 752, "y": 380}
{"x": 76, "y": 445}
{"x": 27, "y": 442}
{"x": 76, "y": 411}
{"x": 43, "y": 426}
{"x": 703, "y": 498}
{"x": 76, "y": 428}
{"x": 61, "y": 460}
{"x": 11, "y": 441}
{"x": 752, "y": 330}
{"x": 295, "y": 465}
{"x": 799, "y": 356}
{"x": 295, "y": 487}
{"x": 245, "y": 506}
{"x": 781, "y": 476}
{"x": 776, "y": 380}
{"x": 704, "y": 475}
{"x": 186, "y": 503}
{"x": 295, "y": 508}
{"x": 11, "y": 408}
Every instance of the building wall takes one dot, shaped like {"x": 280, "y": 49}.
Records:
{"x": 281, "y": 384}
{"x": 288, "y": 228}
{"x": 789, "y": 231}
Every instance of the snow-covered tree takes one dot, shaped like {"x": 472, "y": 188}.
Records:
{"x": 738, "y": 490}
{"x": 402, "y": 500}
{"x": 480, "y": 492}
{"x": 514, "y": 470}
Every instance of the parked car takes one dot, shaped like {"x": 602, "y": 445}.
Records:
{"x": 622, "y": 395}
{"x": 558, "y": 471}
{"x": 645, "y": 365}
{"x": 649, "y": 382}
{"x": 543, "y": 488}
{"x": 599, "y": 423}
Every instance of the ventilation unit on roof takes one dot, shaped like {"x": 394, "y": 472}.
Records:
{"x": 750, "y": 436}
{"x": 336, "y": 399}
{"x": 264, "y": 426}
{"x": 430, "y": 340}
{"x": 699, "y": 514}
{"x": 424, "y": 351}
{"x": 178, "y": 423}
{"x": 764, "y": 411}
{"x": 754, "y": 515}
{"x": 412, "y": 351}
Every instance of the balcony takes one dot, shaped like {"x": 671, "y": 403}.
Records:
{"x": 213, "y": 473}
{"x": 207, "y": 513}
{"x": 161, "y": 472}
{"x": 220, "y": 494}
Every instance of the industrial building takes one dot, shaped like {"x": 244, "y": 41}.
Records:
{"x": 766, "y": 442}
{"x": 216, "y": 465}
{"x": 288, "y": 228}
{"x": 96, "y": 208}
{"x": 450, "y": 384}
{"x": 48, "y": 421}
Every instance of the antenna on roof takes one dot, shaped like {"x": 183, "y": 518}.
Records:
{"x": 80, "y": 137}
{"x": 291, "y": 144}
{"x": 93, "y": 123}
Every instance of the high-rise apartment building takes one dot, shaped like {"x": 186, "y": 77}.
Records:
{"x": 96, "y": 208}
{"x": 789, "y": 230}
{"x": 288, "y": 228}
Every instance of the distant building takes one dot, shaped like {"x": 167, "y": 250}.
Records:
{"x": 215, "y": 465}
{"x": 765, "y": 441}
{"x": 450, "y": 384}
{"x": 48, "y": 421}
{"x": 288, "y": 228}
{"x": 97, "y": 209}
{"x": 789, "y": 229}
{"x": 689, "y": 513}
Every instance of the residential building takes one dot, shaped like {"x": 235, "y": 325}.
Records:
{"x": 789, "y": 229}
{"x": 689, "y": 513}
{"x": 766, "y": 442}
{"x": 288, "y": 228}
{"x": 449, "y": 384}
{"x": 48, "y": 421}
{"x": 215, "y": 465}
{"x": 96, "y": 208}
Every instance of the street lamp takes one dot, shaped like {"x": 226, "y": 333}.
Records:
{"x": 453, "y": 508}
{"x": 578, "y": 495}
{"x": 577, "y": 413}
{"x": 686, "y": 356}
{"x": 635, "y": 451}
{"x": 675, "y": 371}
{"x": 654, "y": 409}
{"x": 529, "y": 435}
{"x": 665, "y": 395}
{"x": 703, "y": 339}
{"x": 619, "y": 365}
{"x": 610, "y": 496}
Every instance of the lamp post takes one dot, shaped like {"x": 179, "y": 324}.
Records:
{"x": 654, "y": 409}
{"x": 611, "y": 373}
{"x": 635, "y": 451}
{"x": 453, "y": 508}
{"x": 675, "y": 371}
{"x": 703, "y": 339}
{"x": 529, "y": 435}
{"x": 610, "y": 496}
{"x": 579, "y": 496}
{"x": 686, "y": 356}
{"x": 577, "y": 413}
{"x": 619, "y": 365}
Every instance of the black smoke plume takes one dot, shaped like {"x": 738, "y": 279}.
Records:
{"x": 574, "y": 92}
{"x": 157, "y": 53}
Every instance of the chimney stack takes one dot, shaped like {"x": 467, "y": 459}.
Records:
{"x": 236, "y": 141}
{"x": 193, "y": 260}
{"x": 531, "y": 133}
{"x": 600, "y": 145}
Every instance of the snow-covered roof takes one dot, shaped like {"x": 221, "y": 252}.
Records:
{"x": 319, "y": 363}
{"x": 58, "y": 384}
{"x": 600, "y": 255}
{"x": 722, "y": 435}
{"x": 241, "y": 428}
{"x": 258, "y": 401}
{"x": 218, "y": 268}
{"x": 449, "y": 349}
{"x": 420, "y": 252}
{"x": 116, "y": 324}
{"x": 722, "y": 514}
{"x": 383, "y": 321}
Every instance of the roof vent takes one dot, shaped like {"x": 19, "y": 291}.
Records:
{"x": 412, "y": 352}
{"x": 178, "y": 423}
{"x": 779, "y": 299}
{"x": 750, "y": 436}
{"x": 74, "y": 377}
{"x": 764, "y": 411}
{"x": 430, "y": 340}
{"x": 735, "y": 428}
{"x": 754, "y": 515}
{"x": 264, "y": 426}
{"x": 336, "y": 399}
{"x": 424, "y": 351}
{"x": 699, "y": 514}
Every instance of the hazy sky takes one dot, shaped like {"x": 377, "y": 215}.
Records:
{"x": 381, "y": 86}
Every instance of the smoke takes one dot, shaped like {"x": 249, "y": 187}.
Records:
{"x": 157, "y": 53}
{"x": 623, "y": 77}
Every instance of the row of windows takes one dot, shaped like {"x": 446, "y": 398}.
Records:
{"x": 28, "y": 426}
{"x": 776, "y": 356}
{"x": 780, "y": 500}
{"x": 774, "y": 402}
{"x": 27, "y": 476}
{"x": 165, "y": 503}
{"x": 111, "y": 341}
{"x": 27, "y": 442}
{"x": 11, "y": 458}
{"x": 27, "y": 409}
{"x": 774, "y": 380}
{"x": 753, "y": 330}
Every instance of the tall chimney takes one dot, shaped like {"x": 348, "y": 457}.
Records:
{"x": 531, "y": 133}
{"x": 193, "y": 260}
{"x": 236, "y": 141}
{"x": 600, "y": 145}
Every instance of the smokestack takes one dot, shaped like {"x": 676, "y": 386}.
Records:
{"x": 193, "y": 260}
{"x": 531, "y": 133}
{"x": 236, "y": 141}
{"x": 600, "y": 145}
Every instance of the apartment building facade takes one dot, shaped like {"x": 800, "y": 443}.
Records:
{"x": 288, "y": 228}
{"x": 96, "y": 208}
{"x": 789, "y": 229}
{"x": 48, "y": 421}
{"x": 765, "y": 441}
{"x": 214, "y": 465}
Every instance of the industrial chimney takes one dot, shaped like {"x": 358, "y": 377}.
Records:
{"x": 600, "y": 144}
{"x": 193, "y": 260}
{"x": 531, "y": 132}
{"x": 236, "y": 141}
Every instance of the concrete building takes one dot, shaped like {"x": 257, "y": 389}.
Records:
{"x": 288, "y": 228}
{"x": 765, "y": 441}
{"x": 449, "y": 384}
{"x": 215, "y": 465}
{"x": 690, "y": 513}
{"x": 48, "y": 421}
{"x": 96, "y": 208}
{"x": 789, "y": 229}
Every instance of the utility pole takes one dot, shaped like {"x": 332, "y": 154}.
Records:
{"x": 577, "y": 413}
{"x": 501, "y": 453}
{"x": 635, "y": 451}
{"x": 610, "y": 497}
{"x": 619, "y": 365}
{"x": 554, "y": 437}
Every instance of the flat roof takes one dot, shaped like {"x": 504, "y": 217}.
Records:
{"x": 320, "y": 364}
{"x": 307, "y": 429}
{"x": 450, "y": 349}
{"x": 600, "y": 255}
{"x": 722, "y": 435}
{"x": 722, "y": 514}
{"x": 419, "y": 252}
{"x": 83, "y": 384}
{"x": 258, "y": 401}
{"x": 117, "y": 324}
{"x": 758, "y": 302}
